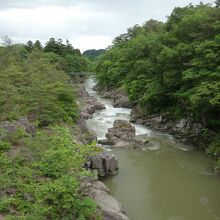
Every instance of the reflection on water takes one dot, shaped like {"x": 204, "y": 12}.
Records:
{"x": 166, "y": 181}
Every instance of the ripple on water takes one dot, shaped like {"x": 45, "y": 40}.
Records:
{"x": 153, "y": 146}
{"x": 183, "y": 147}
{"x": 204, "y": 201}
{"x": 194, "y": 166}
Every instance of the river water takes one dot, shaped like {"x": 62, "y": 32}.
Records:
{"x": 165, "y": 181}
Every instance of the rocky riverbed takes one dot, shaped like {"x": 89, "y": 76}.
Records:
{"x": 119, "y": 97}
{"x": 101, "y": 165}
{"x": 184, "y": 130}
{"x": 88, "y": 104}
{"x": 155, "y": 175}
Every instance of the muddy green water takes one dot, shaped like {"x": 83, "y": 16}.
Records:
{"x": 164, "y": 181}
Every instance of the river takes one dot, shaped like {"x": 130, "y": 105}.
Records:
{"x": 165, "y": 181}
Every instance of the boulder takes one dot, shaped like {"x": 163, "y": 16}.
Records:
{"x": 105, "y": 163}
{"x": 185, "y": 127}
{"x": 110, "y": 208}
{"x": 26, "y": 125}
{"x": 122, "y": 134}
{"x": 182, "y": 123}
{"x": 119, "y": 97}
{"x": 108, "y": 94}
{"x": 121, "y": 130}
{"x": 122, "y": 102}
{"x": 197, "y": 128}
{"x": 12, "y": 126}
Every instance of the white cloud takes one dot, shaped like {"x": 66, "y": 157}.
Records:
{"x": 80, "y": 25}
{"x": 87, "y": 24}
{"x": 93, "y": 41}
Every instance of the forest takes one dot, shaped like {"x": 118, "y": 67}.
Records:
{"x": 171, "y": 68}
{"x": 40, "y": 161}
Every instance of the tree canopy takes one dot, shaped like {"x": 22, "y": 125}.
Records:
{"x": 176, "y": 62}
{"x": 41, "y": 169}
{"x": 171, "y": 67}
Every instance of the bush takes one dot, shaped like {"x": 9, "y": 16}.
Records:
{"x": 47, "y": 186}
{"x": 4, "y": 146}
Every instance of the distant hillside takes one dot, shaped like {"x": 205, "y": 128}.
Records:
{"x": 92, "y": 54}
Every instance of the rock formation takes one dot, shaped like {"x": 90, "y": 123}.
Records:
{"x": 184, "y": 130}
{"x": 12, "y": 126}
{"x": 88, "y": 104}
{"x": 110, "y": 208}
{"x": 105, "y": 163}
{"x": 122, "y": 134}
{"x": 119, "y": 97}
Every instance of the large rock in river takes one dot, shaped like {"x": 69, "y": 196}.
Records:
{"x": 122, "y": 130}
{"x": 105, "y": 163}
{"x": 122, "y": 134}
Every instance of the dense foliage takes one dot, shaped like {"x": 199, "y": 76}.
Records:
{"x": 40, "y": 171}
{"x": 65, "y": 56}
{"x": 32, "y": 86}
{"x": 41, "y": 177}
{"x": 171, "y": 67}
{"x": 93, "y": 54}
{"x": 33, "y": 82}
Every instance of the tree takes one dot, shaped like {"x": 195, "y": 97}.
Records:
{"x": 7, "y": 41}
{"x": 38, "y": 45}
{"x": 170, "y": 68}
{"x": 30, "y": 46}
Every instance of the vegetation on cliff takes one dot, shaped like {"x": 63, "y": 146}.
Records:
{"x": 40, "y": 162}
{"x": 93, "y": 54}
{"x": 171, "y": 67}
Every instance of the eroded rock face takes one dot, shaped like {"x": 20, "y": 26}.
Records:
{"x": 121, "y": 130}
{"x": 12, "y": 126}
{"x": 105, "y": 163}
{"x": 88, "y": 104}
{"x": 82, "y": 133}
{"x": 122, "y": 102}
{"x": 184, "y": 130}
{"x": 111, "y": 209}
{"x": 119, "y": 98}
{"x": 122, "y": 134}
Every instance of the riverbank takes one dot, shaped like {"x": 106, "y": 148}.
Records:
{"x": 101, "y": 165}
{"x": 165, "y": 179}
{"x": 184, "y": 130}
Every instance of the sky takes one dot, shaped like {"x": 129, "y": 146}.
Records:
{"x": 87, "y": 24}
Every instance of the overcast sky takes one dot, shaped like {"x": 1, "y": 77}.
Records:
{"x": 87, "y": 24}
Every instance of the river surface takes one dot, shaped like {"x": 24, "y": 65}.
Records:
{"x": 164, "y": 181}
